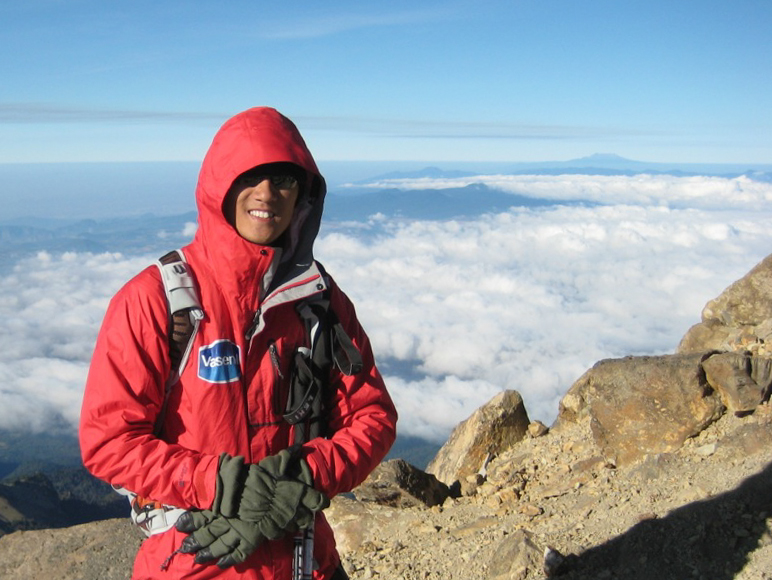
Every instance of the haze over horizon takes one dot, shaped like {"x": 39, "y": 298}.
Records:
{"x": 67, "y": 191}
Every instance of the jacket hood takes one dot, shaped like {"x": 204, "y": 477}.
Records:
{"x": 252, "y": 138}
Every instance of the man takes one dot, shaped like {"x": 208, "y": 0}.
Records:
{"x": 217, "y": 445}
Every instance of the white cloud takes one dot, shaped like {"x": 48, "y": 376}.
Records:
{"x": 530, "y": 299}
{"x": 456, "y": 310}
{"x": 189, "y": 230}
{"x": 51, "y": 308}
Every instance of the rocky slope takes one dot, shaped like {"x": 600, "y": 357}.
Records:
{"x": 657, "y": 467}
{"x": 702, "y": 511}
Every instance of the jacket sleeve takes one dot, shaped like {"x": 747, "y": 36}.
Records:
{"x": 362, "y": 417}
{"x": 123, "y": 397}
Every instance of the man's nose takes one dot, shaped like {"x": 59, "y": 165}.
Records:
{"x": 264, "y": 188}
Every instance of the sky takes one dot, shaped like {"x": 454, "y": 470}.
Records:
{"x": 457, "y": 310}
{"x": 434, "y": 80}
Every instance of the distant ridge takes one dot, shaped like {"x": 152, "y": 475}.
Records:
{"x": 427, "y": 172}
{"x": 595, "y": 164}
{"x": 469, "y": 201}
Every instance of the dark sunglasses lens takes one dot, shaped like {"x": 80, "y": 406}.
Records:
{"x": 278, "y": 181}
{"x": 283, "y": 181}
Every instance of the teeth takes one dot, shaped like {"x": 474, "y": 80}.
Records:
{"x": 261, "y": 214}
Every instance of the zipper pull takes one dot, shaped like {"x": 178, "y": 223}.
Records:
{"x": 253, "y": 327}
{"x": 274, "y": 354}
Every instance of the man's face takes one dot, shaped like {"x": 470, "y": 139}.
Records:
{"x": 261, "y": 207}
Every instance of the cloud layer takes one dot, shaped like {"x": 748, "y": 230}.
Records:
{"x": 529, "y": 300}
{"x": 457, "y": 310}
{"x": 51, "y": 308}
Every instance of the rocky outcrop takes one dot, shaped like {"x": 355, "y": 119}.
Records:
{"x": 490, "y": 430}
{"x": 396, "y": 483}
{"x": 739, "y": 319}
{"x": 657, "y": 467}
{"x": 638, "y": 406}
{"x": 743, "y": 381}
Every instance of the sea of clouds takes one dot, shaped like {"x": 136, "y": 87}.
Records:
{"x": 457, "y": 310}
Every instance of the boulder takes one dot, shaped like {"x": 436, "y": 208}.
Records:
{"x": 516, "y": 556}
{"x": 742, "y": 380}
{"x": 738, "y": 319}
{"x": 642, "y": 405}
{"x": 356, "y": 523}
{"x": 490, "y": 430}
{"x": 398, "y": 484}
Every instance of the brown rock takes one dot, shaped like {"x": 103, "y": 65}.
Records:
{"x": 396, "y": 483}
{"x": 747, "y": 302}
{"x": 705, "y": 336}
{"x": 517, "y": 556}
{"x": 642, "y": 405}
{"x": 355, "y": 523}
{"x": 743, "y": 381}
{"x": 490, "y": 430}
{"x": 469, "y": 484}
{"x": 537, "y": 429}
{"x": 738, "y": 317}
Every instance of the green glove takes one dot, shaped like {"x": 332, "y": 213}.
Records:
{"x": 229, "y": 541}
{"x": 277, "y": 494}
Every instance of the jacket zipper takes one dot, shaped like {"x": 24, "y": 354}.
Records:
{"x": 274, "y": 354}
{"x": 253, "y": 326}
{"x": 278, "y": 378}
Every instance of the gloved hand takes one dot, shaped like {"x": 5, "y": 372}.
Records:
{"x": 276, "y": 494}
{"x": 211, "y": 537}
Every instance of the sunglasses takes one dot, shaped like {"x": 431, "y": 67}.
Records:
{"x": 279, "y": 181}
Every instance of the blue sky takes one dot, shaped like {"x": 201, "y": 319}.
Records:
{"x": 452, "y": 80}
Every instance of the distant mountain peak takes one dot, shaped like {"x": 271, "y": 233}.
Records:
{"x": 605, "y": 158}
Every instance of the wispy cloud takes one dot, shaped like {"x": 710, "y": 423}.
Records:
{"x": 321, "y": 22}
{"x": 421, "y": 129}
{"x": 55, "y": 113}
{"x": 24, "y": 113}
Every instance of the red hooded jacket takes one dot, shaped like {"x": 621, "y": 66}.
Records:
{"x": 245, "y": 289}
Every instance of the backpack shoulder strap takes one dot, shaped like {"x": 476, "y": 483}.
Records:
{"x": 342, "y": 351}
{"x": 329, "y": 347}
{"x": 185, "y": 311}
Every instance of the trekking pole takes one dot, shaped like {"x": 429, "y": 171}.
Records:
{"x": 303, "y": 555}
{"x": 305, "y": 430}
{"x": 304, "y": 405}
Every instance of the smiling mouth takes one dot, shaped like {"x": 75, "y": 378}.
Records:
{"x": 262, "y": 214}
